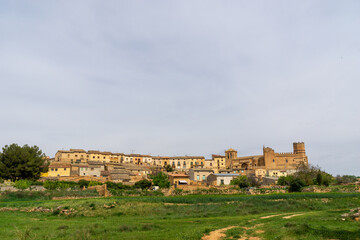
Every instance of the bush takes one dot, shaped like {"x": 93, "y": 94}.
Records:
{"x": 161, "y": 180}
{"x": 345, "y": 179}
{"x": 143, "y": 184}
{"x": 37, "y": 183}
{"x": 94, "y": 183}
{"x": 83, "y": 183}
{"x": 285, "y": 180}
{"x": 241, "y": 181}
{"x": 296, "y": 185}
{"x": 168, "y": 168}
{"x": 111, "y": 185}
{"x": 22, "y": 184}
{"x": 50, "y": 185}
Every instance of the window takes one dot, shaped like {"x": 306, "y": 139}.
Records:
{"x": 273, "y": 160}
{"x": 52, "y": 169}
{"x": 104, "y": 157}
{"x": 198, "y": 177}
{"x": 75, "y": 155}
{"x": 210, "y": 164}
{"x": 56, "y": 169}
{"x": 222, "y": 181}
{"x": 93, "y": 156}
{"x": 92, "y": 169}
{"x": 286, "y": 160}
{"x": 203, "y": 177}
{"x": 64, "y": 169}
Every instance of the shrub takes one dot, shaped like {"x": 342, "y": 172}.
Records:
{"x": 94, "y": 183}
{"x": 50, "y": 185}
{"x": 37, "y": 183}
{"x": 83, "y": 183}
{"x": 345, "y": 179}
{"x": 111, "y": 185}
{"x": 22, "y": 184}
{"x": 296, "y": 185}
{"x": 63, "y": 185}
{"x": 285, "y": 180}
{"x": 241, "y": 181}
{"x": 161, "y": 180}
{"x": 143, "y": 184}
{"x": 168, "y": 168}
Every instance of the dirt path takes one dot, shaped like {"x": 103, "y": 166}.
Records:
{"x": 220, "y": 233}
{"x": 270, "y": 216}
{"x": 294, "y": 215}
{"x": 217, "y": 234}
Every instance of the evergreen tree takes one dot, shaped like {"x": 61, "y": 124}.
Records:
{"x": 24, "y": 162}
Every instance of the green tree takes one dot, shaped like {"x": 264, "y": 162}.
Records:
{"x": 161, "y": 180}
{"x": 22, "y": 184}
{"x": 319, "y": 179}
{"x": 285, "y": 180}
{"x": 143, "y": 184}
{"x": 241, "y": 181}
{"x": 168, "y": 168}
{"x": 24, "y": 162}
{"x": 51, "y": 185}
{"x": 83, "y": 183}
{"x": 296, "y": 185}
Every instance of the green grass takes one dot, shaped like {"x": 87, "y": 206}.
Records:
{"x": 184, "y": 217}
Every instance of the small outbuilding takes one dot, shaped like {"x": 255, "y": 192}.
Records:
{"x": 221, "y": 178}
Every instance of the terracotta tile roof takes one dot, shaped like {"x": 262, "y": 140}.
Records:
{"x": 60, "y": 165}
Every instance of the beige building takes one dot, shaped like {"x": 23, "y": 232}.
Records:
{"x": 178, "y": 178}
{"x": 219, "y": 161}
{"x": 59, "y": 170}
{"x": 187, "y": 162}
{"x": 199, "y": 174}
{"x": 79, "y": 156}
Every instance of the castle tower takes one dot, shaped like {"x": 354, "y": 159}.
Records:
{"x": 299, "y": 148}
{"x": 269, "y": 157}
{"x": 229, "y": 155}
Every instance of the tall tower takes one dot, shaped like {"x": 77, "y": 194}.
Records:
{"x": 299, "y": 148}
{"x": 229, "y": 155}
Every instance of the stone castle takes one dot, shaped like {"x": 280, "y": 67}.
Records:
{"x": 270, "y": 162}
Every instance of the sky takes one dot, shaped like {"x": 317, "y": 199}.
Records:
{"x": 176, "y": 78}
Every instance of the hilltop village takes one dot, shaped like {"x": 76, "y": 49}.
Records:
{"x": 76, "y": 164}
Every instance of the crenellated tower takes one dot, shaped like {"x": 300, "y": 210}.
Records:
{"x": 299, "y": 148}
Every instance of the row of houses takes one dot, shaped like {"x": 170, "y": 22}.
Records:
{"x": 216, "y": 178}
{"x": 80, "y": 156}
{"x": 125, "y": 173}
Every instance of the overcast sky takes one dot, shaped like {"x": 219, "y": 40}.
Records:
{"x": 183, "y": 77}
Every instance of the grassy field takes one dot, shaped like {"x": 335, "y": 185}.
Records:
{"x": 281, "y": 216}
